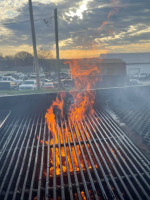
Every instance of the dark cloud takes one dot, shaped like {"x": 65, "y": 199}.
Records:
{"x": 82, "y": 31}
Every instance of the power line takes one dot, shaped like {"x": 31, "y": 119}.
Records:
{"x": 26, "y": 15}
{"x": 24, "y": 21}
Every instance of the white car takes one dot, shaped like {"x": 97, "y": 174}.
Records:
{"x": 134, "y": 82}
{"x": 13, "y": 82}
{"x": 21, "y": 76}
{"x": 28, "y": 85}
{"x": 10, "y": 78}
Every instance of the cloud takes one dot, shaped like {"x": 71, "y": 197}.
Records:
{"x": 130, "y": 48}
{"x": 80, "y": 10}
{"x": 9, "y": 49}
{"x": 131, "y": 33}
{"x": 78, "y": 23}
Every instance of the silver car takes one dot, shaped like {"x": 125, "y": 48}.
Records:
{"x": 28, "y": 85}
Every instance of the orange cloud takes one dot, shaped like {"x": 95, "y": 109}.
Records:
{"x": 12, "y": 50}
{"x": 130, "y": 48}
{"x": 76, "y": 54}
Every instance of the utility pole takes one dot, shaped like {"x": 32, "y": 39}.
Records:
{"x": 57, "y": 48}
{"x": 34, "y": 44}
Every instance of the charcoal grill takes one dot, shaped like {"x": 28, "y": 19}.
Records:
{"x": 110, "y": 166}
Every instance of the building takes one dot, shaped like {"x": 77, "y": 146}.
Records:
{"x": 136, "y": 63}
{"x": 113, "y": 72}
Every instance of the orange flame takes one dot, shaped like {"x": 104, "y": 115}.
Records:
{"x": 85, "y": 79}
{"x": 114, "y": 4}
{"x": 83, "y": 97}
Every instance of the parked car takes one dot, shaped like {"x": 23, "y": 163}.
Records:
{"x": 7, "y": 78}
{"x": 42, "y": 75}
{"x": 142, "y": 76}
{"x": 47, "y": 85}
{"x": 32, "y": 76}
{"x": 67, "y": 83}
{"x": 46, "y": 80}
{"x": 13, "y": 82}
{"x": 28, "y": 85}
{"x": 21, "y": 76}
{"x": 134, "y": 82}
{"x": 5, "y": 85}
{"x": 10, "y": 78}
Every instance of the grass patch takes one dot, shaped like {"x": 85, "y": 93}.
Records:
{"x": 19, "y": 92}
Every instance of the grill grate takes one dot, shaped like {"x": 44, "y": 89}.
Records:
{"x": 90, "y": 159}
{"x": 137, "y": 117}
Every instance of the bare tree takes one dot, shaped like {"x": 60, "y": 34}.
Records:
{"x": 44, "y": 54}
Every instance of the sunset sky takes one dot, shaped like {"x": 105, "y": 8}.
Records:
{"x": 87, "y": 28}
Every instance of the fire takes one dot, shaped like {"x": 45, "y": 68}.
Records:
{"x": 83, "y": 96}
{"x": 85, "y": 74}
{"x": 85, "y": 79}
{"x": 114, "y": 4}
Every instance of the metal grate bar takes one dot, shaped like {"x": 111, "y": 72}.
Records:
{"x": 79, "y": 163}
{"x": 137, "y": 119}
{"x": 61, "y": 171}
{"x": 88, "y": 183}
{"x": 54, "y": 168}
{"x": 74, "y": 171}
{"x": 5, "y": 141}
{"x": 131, "y": 163}
{"x": 112, "y": 165}
{"x": 29, "y": 163}
{"x": 92, "y": 162}
{"x": 18, "y": 158}
{"x": 68, "y": 172}
{"x": 35, "y": 163}
{"x": 104, "y": 161}
{"x": 135, "y": 151}
{"x": 85, "y": 162}
{"x": 41, "y": 165}
{"x": 4, "y": 115}
{"x": 47, "y": 169}
{"x": 56, "y": 145}
{"x": 23, "y": 163}
{"x": 117, "y": 160}
{"x": 12, "y": 157}
{"x": 127, "y": 165}
{"x": 110, "y": 126}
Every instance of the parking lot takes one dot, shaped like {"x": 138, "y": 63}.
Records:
{"x": 21, "y": 83}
